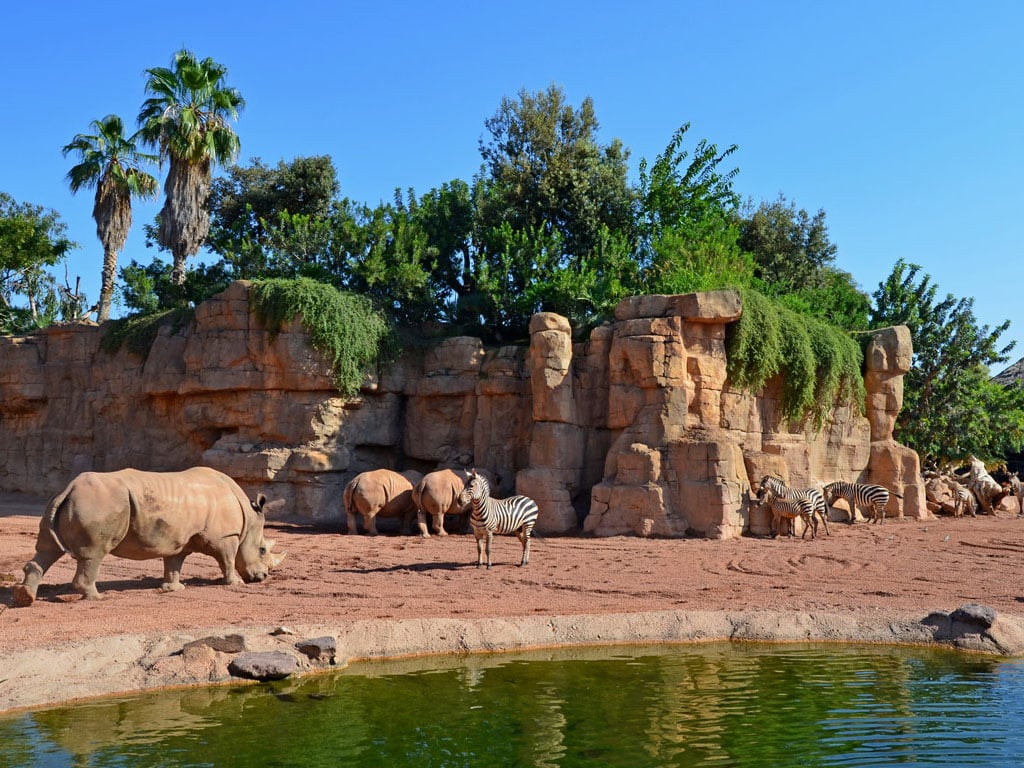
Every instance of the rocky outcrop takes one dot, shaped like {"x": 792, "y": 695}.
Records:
{"x": 635, "y": 430}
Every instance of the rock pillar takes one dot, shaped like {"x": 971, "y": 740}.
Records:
{"x": 558, "y": 442}
{"x": 898, "y": 468}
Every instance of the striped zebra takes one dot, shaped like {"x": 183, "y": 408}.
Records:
{"x": 873, "y": 497}
{"x": 964, "y": 499}
{"x": 819, "y": 510}
{"x": 788, "y": 508}
{"x": 516, "y": 514}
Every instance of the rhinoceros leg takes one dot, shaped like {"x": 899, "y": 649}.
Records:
{"x": 85, "y": 577}
{"x": 47, "y": 553}
{"x": 172, "y": 573}
{"x": 352, "y": 529}
{"x": 370, "y": 522}
{"x": 439, "y": 524}
{"x": 421, "y": 521}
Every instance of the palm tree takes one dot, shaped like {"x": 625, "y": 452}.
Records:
{"x": 187, "y": 118}
{"x": 112, "y": 163}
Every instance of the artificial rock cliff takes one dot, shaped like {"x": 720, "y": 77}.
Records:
{"x": 633, "y": 431}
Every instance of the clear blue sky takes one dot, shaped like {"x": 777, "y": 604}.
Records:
{"x": 903, "y": 120}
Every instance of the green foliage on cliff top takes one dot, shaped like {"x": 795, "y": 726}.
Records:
{"x": 344, "y": 327}
{"x": 138, "y": 332}
{"x": 820, "y": 364}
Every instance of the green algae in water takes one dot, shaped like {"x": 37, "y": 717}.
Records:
{"x": 708, "y": 705}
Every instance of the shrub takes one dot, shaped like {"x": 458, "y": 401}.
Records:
{"x": 344, "y": 327}
{"x": 137, "y": 333}
{"x": 820, "y": 364}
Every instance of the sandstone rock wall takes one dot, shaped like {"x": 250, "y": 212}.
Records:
{"x": 633, "y": 431}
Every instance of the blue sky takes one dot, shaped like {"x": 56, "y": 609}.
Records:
{"x": 904, "y": 121}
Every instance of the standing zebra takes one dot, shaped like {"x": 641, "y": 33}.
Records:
{"x": 819, "y": 510}
{"x": 789, "y": 508}
{"x": 516, "y": 514}
{"x": 873, "y": 497}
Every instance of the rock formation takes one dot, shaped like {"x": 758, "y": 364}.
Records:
{"x": 635, "y": 430}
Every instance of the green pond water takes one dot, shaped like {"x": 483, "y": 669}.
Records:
{"x": 703, "y": 705}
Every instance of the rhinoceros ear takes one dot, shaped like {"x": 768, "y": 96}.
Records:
{"x": 270, "y": 506}
{"x": 259, "y": 503}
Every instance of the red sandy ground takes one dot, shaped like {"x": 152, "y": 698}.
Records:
{"x": 865, "y": 569}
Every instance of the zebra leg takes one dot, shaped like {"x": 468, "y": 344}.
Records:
{"x": 490, "y": 538}
{"x": 823, "y": 514}
{"x": 524, "y": 538}
{"x": 479, "y": 548}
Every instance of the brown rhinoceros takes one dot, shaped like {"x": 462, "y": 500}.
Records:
{"x": 142, "y": 515}
{"x": 437, "y": 495}
{"x": 380, "y": 492}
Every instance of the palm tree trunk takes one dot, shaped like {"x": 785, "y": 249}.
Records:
{"x": 185, "y": 218}
{"x": 107, "y": 284}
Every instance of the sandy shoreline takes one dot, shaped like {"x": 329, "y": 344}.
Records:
{"x": 393, "y": 596}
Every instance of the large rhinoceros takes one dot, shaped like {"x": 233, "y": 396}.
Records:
{"x": 142, "y": 515}
{"x": 437, "y": 495}
{"x": 380, "y": 493}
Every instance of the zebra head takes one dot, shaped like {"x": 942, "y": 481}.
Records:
{"x": 770, "y": 488}
{"x": 831, "y": 493}
{"x": 476, "y": 488}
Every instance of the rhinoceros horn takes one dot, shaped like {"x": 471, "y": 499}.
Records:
{"x": 273, "y": 560}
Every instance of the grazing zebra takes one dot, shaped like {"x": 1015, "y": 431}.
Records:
{"x": 873, "y": 497}
{"x": 789, "y": 508}
{"x": 516, "y": 514}
{"x": 817, "y": 501}
{"x": 964, "y": 500}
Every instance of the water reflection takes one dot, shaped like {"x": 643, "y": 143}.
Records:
{"x": 723, "y": 704}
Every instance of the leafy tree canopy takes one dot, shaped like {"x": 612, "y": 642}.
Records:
{"x": 32, "y": 240}
{"x": 950, "y": 408}
{"x": 791, "y": 248}
{"x": 688, "y": 220}
{"x": 267, "y": 219}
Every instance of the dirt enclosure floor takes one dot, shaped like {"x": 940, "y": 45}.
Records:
{"x": 401, "y": 594}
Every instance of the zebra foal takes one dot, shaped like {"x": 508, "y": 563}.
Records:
{"x": 516, "y": 514}
{"x": 873, "y": 497}
{"x": 776, "y": 487}
{"x": 783, "y": 504}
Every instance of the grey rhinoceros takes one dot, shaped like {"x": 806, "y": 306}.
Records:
{"x": 141, "y": 515}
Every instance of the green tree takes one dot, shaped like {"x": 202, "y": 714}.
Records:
{"x": 112, "y": 163}
{"x": 549, "y": 194}
{"x": 950, "y": 411}
{"x": 446, "y": 214}
{"x": 791, "y": 248}
{"x": 273, "y": 220}
{"x": 688, "y": 220}
{"x": 149, "y": 289}
{"x": 32, "y": 239}
{"x": 835, "y": 298}
{"x": 187, "y": 117}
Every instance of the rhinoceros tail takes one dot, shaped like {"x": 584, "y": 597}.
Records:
{"x": 51, "y": 513}
{"x": 347, "y": 497}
